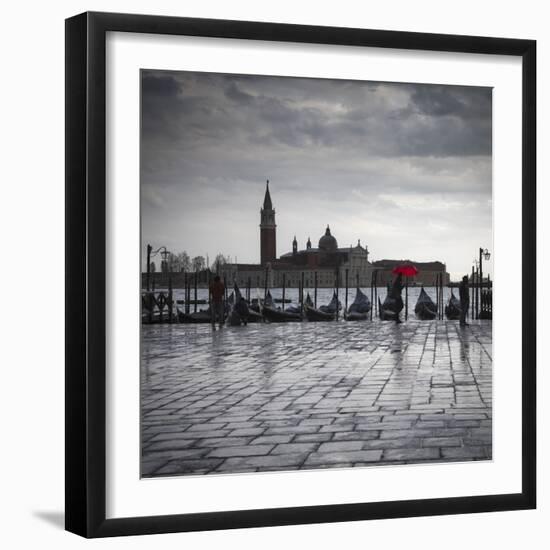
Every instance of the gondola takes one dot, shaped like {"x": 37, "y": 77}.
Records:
{"x": 386, "y": 310}
{"x": 238, "y": 309}
{"x": 314, "y": 315}
{"x": 268, "y": 300}
{"x": 453, "y": 308}
{"x": 297, "y": 309}
{"x": 202, "y": 316}
{"x": 324, "y": 313}
{"x": 254, "y": 315}
{"x": 234, "y": 319}
{"x": 425, "y": 308}
{"x": 155, "y": 317}
{"x": 275, "y": 315}
{"x": 392, "y": 306}
{"x": 359, "y": 309}
{"x": 390, "y": 309}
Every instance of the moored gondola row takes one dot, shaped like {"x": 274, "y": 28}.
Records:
{"x": 237, "y": 310}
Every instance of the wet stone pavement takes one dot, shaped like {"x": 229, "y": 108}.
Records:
{"x": 313, "y": 395}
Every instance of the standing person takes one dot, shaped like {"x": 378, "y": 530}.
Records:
{"x": 395, "y": 294}
{"x": 241, "y": 308}
{"x": 464, "y": 300}
{"x": 217, "y": 291}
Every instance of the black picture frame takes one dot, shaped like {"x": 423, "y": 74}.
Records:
{"x": 86, "y": 275}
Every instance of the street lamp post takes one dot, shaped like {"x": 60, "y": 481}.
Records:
{"x": 151, "y": 253}
{"x": 483, "y": 253}
{"x": 149, "y": 248}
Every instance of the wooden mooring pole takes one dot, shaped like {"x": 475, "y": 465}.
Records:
{"x": 196, "y": 277}
{"x": 149, "y": 249}
{"x": 442, "y": 297}
{"x": 284, "y": 288}
{"x": 371, "y": 294}
{"x": 406, "y": 298}
{"x": 473, "y": 293}
{"x": 302, "y": 292}
{"x": 265, "y": 283}
{"x": 170, "y": 302}
{"x": 376, "y": 290}
{"x": 315, "y": 295}
{"x": 436, "y": 284}
{"x": 337, "y": 293}
{"x": 347, "y": 270}
{"x": 185, "y": 299}
{"x": 477, "y": 292}
{"x": 439, "y": 295}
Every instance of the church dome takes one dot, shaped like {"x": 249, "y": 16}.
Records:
{"x": 327, "y": 242}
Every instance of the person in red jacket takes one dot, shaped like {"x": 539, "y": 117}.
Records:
{"x": 217, "y": 292}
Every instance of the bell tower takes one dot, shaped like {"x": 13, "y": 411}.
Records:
{"x": 268, "y": 242}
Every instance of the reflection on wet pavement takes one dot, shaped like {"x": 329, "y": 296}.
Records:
{"x": 314, "y": 395}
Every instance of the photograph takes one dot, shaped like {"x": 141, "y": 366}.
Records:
{"x": 316, "y": 273}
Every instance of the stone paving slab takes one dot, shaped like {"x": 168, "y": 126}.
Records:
{"x": 313, "y": 395}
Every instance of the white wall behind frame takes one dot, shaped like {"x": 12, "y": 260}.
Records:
{"x": 31, "y": 220}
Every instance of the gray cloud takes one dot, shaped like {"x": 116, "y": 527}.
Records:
{"x": 384, "y": 161}
{"x": 161, "y": 85}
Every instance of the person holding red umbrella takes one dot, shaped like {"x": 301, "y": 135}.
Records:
{"x": 407, "y": 270}
{"x": 395, "y": 294}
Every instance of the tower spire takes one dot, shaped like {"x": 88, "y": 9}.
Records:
{"x": 267, "y": 199}
{"x": 268, "y": 228}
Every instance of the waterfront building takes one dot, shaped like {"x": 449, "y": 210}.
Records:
{"x": 427, "y": 272}
{"x": 327, "y": 261}
{"x": 325, "y": 264}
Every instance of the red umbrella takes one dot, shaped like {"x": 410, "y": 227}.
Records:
{"x": 408, "y": 270}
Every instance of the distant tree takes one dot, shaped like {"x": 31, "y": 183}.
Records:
{"x": 173, "y": 263}
{"x": 198, "y": 263}
{"x": 219, "y": 261}
{"x": 152, "y": 267}
{"x": 182, "y": 262}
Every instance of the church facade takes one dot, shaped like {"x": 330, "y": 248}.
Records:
{"x": 322, "y": 265}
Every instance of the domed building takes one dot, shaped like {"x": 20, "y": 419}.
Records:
{"x": 327, "y": 243}
{"x": 322, "y": 264}
{"x": 327, "y": 260}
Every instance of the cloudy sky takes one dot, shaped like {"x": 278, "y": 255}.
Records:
{"x": 406, "y": 168}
